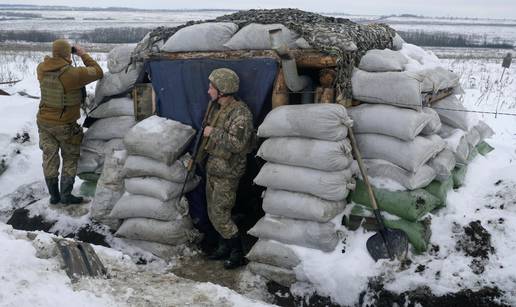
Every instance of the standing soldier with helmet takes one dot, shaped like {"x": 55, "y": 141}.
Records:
{"x": 227, "y": 141}
{"x": 62, "y": 92}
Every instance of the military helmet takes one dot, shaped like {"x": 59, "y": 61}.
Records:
{"x": 225, "y": 80}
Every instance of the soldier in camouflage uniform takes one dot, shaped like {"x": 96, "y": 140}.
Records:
{"x": 227, "y": 139}
{"x": 62, "y": 92}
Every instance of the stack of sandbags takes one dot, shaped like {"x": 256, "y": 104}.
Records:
{"x": 152, "y": 208}
{"x": 308, "y": 178}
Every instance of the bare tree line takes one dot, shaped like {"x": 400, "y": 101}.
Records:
{"x": 445, "y": 39}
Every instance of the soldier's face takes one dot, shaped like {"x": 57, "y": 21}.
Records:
{"x": 213, "y": 92}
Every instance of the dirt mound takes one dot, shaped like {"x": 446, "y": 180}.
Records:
{"x": 476, "y": 243}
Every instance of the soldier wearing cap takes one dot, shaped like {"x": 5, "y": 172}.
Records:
{"x": 62, "y": 92}
{"x": 228, "y": 138}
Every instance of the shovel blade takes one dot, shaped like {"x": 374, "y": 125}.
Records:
{"x": 388, "y": 244}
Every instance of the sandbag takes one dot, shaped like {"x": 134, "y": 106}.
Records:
{"x": 409, "y": 205}
{"x": 158, "y": 188}
{"x": 459, "y": 175}
{"x": 312, "y": 153}
{"x": 256, "y": 37}
{"x": 119, "y": 58}
{"x": 113, "y": 108}
{"x": 473, "y": 137}
{"x": 326, "y": 121}
{"x": 93, "y": 146}
{"x": 113, "y": 84}
{"x": 158, "y": 138}
{"x": 434, "y": 124}
{"x": 273, "y": 253}
{"x": 401, "y": 89}
{"x": 87, "y": 188}
{"x": 173, "y": 232}
{"x": 409, "y": 155}
{"x": 484, "y": 148}
{"x": 130, "y": 206}
{"x": 458, "y": 144}
{"x": 89, "y": 162}
{"x": 284, "y": 277}
{"x": 327, "y": 185}
{"x": 440, "y": 190}
{"x": 404, "y": 124}
{"x": 484, "y": 130}
{"x": 376, "y": 60}
{"x": 89, "y": 176}
{"x": 102, "y": 204}
{"x": 397, "y": 42}
{"x": 453, "y": 113}
{"x": 439, "y": 78}
{"x": 443, "y": 164}
{"x": 300, "y": 206}
{"x": 163, "y": 251}
{"x": 210, "y": 36}
{"x": 139, "y": 166}
{"x": 110, "y": 128}
{"x": 409, "y": 180}
{"x": 322, "y": 236}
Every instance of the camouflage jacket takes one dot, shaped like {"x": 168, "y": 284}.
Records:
{"x": 230, "y": 141}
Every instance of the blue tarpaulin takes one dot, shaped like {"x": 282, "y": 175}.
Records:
{"x": 181, "y": 88}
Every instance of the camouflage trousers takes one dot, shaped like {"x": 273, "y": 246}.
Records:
{"x": 67, "y": 138}
{"x": 220, "y": 196}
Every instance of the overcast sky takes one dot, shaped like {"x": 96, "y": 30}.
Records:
{"x": 456, "y": 8}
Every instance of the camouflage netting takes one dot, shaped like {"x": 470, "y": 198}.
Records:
{"x": 335, "y": 36}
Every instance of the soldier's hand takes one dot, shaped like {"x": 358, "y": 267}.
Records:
{"x": 207, "y": 131}
{"x": 80, "y": 50}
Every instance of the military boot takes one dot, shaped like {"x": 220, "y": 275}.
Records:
{"x": 53, "y": 190}
{"x": 236, "y": 256}
{"x": 222, "y": 251}
{"x": 66, "y": 191}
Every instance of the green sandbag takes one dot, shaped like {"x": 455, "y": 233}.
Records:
{"x": 409, "y": 205}
{"x": 458, "y": 175}
{"x": 88, "y": 188}
{"x": 89, "y": 176}
{"x": 473, "y": 153}
{"x": 484, "y": 148}
{"x": 440, "y": 190}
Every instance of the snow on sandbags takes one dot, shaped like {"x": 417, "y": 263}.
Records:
{"x": 273, "y": 253}
{"x": 377, "y": 168}
{"x": 401, "y": 123}
{"x": 333, "y": 186}
{"x": 473, "y": 137}
{"x": 210, "y": 36}
{"x": 130, "y": 206}
{"x": 434, "y": 124}
{"x": 454, "y": 114}
{"x": 158, "y": 188}
{"x": 456, "y": 142}
{"x": 114, "y": 107}
{"x": 140, "y": 166}
{"x": 397, "y": 42}
{"x": 113, "y": 84}
{"x": 173, "y": 232}
{"x": 376, "y": 60}
{"x": 284, "y": 277}
{"x": 484, "y": 130}
{"x": 408, "y": 155}
{"x": 119, "y": 58}
{"x": 110, "y": 128}
{"x": 256, "y": 37}
{"x": 402, "y": 89}
{"x": 312, "y": 153}
{"x": 424, "y": 59}
{"x": 439, "y": 78}
{"x": 158, "y": 138}
{"x": 443, "y": 164}
{"x": 163, "y": 251}
{"x": 300, "y": 206}
{"x": 328, "y": 122}
{"x": 322, "y": 236}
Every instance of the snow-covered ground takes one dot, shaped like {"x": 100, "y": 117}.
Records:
{"x": 489, "y": 195}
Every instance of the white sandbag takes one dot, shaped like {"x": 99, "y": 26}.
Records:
{"x": 397, "y": 42}
{"x": 110, "y": 128}
{"x": 447, "y": 130}
{"x": 89, "y": 162}
{"x": 102, "y": 204}
{"x": 325, "y": 121}
{"x": 113, "y": 84}
{"x": 434, "y": 124}
{"x": 473, "y": 137}
{"x": 458, "y": 144}
{"x": 300, "y": 206}
{"x": 409, "y": 155}
{"x": 327, "y": 185}
{"x": 119, "y": 58}
{"x": 484, "y": 130}
{"x": 163, "y": 251}
{"x": 210, "y": 36}
{"x": 376, "y": 60}
{"x": 256, "y": 37}
{"x": 453, "y": 113}
{"x": 425, "y": 59}
{"x": 273, "y": 253}
{"x": 173, "y": 232}
{"x": 322, "y": 236}
{"x": 130, "y": 206}
{"x": 312, "y": 153}
{"x": 114, "y": 107}
{"x": 140, "y": 166}
{"x": 93, "y": 146}
{"x": 439, "y": 78}
{"x": 158, "y": 188}
{"x": 158, "y": 138}
{"x": 401, "y": 89}
{"x": 284, "y": 277}
{"x": 377, "y": 168}
{"x": 404, "y": 124}
{"x": 443, "y": 164}
{"x": 113, "y": 171}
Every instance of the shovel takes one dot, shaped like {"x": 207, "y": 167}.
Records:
{"x": 386, "y": 243}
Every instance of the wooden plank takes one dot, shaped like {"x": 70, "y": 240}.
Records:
{"x": 144, "y": 101}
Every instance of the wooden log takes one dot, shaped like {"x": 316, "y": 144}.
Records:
{"x": 280, "y": 91}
